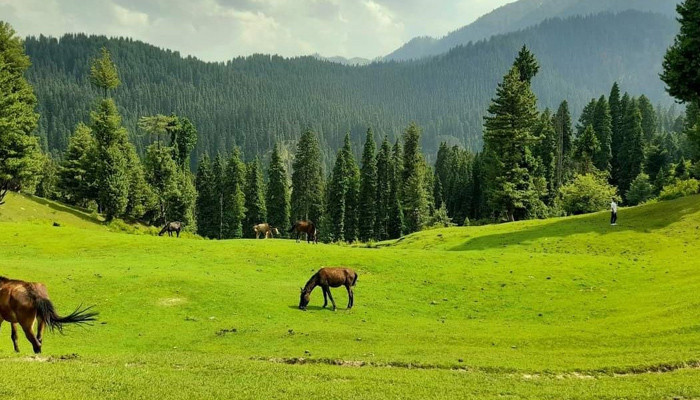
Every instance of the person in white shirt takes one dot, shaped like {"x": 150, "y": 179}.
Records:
{"x": 613, "y": 214}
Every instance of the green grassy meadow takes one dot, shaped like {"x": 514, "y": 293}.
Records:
{"x": 563, "y": 308}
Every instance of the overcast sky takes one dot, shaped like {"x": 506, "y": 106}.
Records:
{"x": 217, "y": 30}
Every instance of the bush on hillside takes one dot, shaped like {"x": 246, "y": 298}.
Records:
{"x": 680, "y": 189}
{"x": 586, "y": 194}
{"x": 640, "y": 191}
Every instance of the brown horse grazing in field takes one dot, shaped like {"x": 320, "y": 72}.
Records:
{"x": 265, "y": 229}
{"x": 327, "y": 278}
{"x": 170, "y": 228}
{"x": 24, "y": 303}
{"x": 307, "y": 227}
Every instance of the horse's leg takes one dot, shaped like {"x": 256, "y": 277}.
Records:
{"x": 350, "y": 295}
{"x": 27, "y": 327}
{"x": 14, "y": 336}
{"x": 178, "y": 233}
{"x": 325, "y": 297}
{"x": 330, "y": 296}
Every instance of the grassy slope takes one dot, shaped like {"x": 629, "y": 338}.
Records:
{"x": 567, "y": 308}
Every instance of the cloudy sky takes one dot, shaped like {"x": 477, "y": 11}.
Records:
{"x": 217, "y": 30}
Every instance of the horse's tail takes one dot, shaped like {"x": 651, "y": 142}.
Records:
{"x": 354, "y": 281}
{"x": 46, "y": 311}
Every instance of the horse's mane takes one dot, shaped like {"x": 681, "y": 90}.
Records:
{"x": 310, "y": 281}
{"x": 2, "y": 278}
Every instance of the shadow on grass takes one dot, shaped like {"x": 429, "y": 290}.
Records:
{"x": 66, "y": 209}
{"x": 643, "y": 219}
{"x": 312, "y": 308}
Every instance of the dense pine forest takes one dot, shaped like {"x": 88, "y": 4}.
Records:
{"x": 258, "y": 101}
{"x": 534, "y": 161}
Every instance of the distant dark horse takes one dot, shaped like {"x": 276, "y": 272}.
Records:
{"x": 170, "y": 228}
{"x": 327, "y": 278}
{"x": 307, "y": 227}
{"x": 24, "y": 303}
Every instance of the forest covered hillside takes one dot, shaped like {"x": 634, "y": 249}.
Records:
{"x": 520, "y": 15}
{"x": 255, "y": 101}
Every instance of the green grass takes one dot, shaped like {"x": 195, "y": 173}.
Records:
{"x": 562, "y": 308}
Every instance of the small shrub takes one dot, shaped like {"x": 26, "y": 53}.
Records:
{"x": 586, "y": 194}
{"x": 640, "y": 191}
{"x": 680, "y": 189}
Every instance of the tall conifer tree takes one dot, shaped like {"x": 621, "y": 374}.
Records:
{"x": 368, "y": 206}
{"x": 277, "y": 193}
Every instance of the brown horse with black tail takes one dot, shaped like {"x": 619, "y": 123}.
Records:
{"x": 170, "y": 228}
{"x": 25, "y": 303}
{"x": 307, "y": 227}
{"x": 327, "y": 278}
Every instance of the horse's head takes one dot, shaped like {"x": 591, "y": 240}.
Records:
{"x": 304, "y": 299}
{"x": 276, "y": 231}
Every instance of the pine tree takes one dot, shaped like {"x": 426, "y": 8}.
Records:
{"x": 633, "y": 148}
{"x": 234, "y": 196}
{"x": 368, "y": 191}
{"x": 20, "y": 156}
{"x": 103, "y": 73}
{"x": 141, "y": 199}
{"x": 648, "y": 118}
{"x": 183, "y": 138}
{"x": 414, "y": 192}
{"x": 587, "y": 147}
{"x": 307, "y": 179}
{"x": 587, "y": 117}
{"x": 443, "y": 171}
{"x": 617, "y": 139}
{"x": 162, "y": 175}
{"x": 545, "y": 150}
{"x": 384, "y": 181}
{"x": 336, "y": 199}
{"x": 76, "y": 175}
{"x": 111, "y": 173}
{"x": 681, "y": 61}
{"x": 564, "y": 132}
{"x": 353, "y": 192}
{"x": 602, "y": 125}
{"x": 527, "y": 65}
{"x": 277, "y": 192}
{"x": 217, "y": 171}
{"x": 395, "y": 223}
{"x": 182, "y": 205}
{"x": 256, "y": 210}
{"x": 507, "y": 137}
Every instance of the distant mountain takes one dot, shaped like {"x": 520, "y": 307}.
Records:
{"x": 256, "y": 101}
{"x": 523, "y": 14}
{"x": 355, "y": 61}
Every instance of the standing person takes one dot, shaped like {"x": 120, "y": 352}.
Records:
{"x": 613, "y": 213}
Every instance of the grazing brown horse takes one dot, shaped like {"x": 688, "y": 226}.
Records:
{"x": 170, "y": 228}
{"x": 24, "y": 303}
{"x": 327, "y": 278}
{"x": 307, "y": 227}
{"x": 265, "y": 229}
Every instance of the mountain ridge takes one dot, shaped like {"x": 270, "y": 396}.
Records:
{"x": 519, "y": 15}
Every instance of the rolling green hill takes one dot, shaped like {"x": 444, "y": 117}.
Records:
{"x": 563, "y": 308}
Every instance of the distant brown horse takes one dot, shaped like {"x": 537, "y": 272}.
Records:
{"x": 307, "y": 227}
{"x": 327, "y": 278}
{"x": 170, "y": 228}
{"x": 266, "y": 230}
{"x": 24, "y": 303}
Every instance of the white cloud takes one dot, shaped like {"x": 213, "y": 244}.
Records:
{"x": 222, "y": 29}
